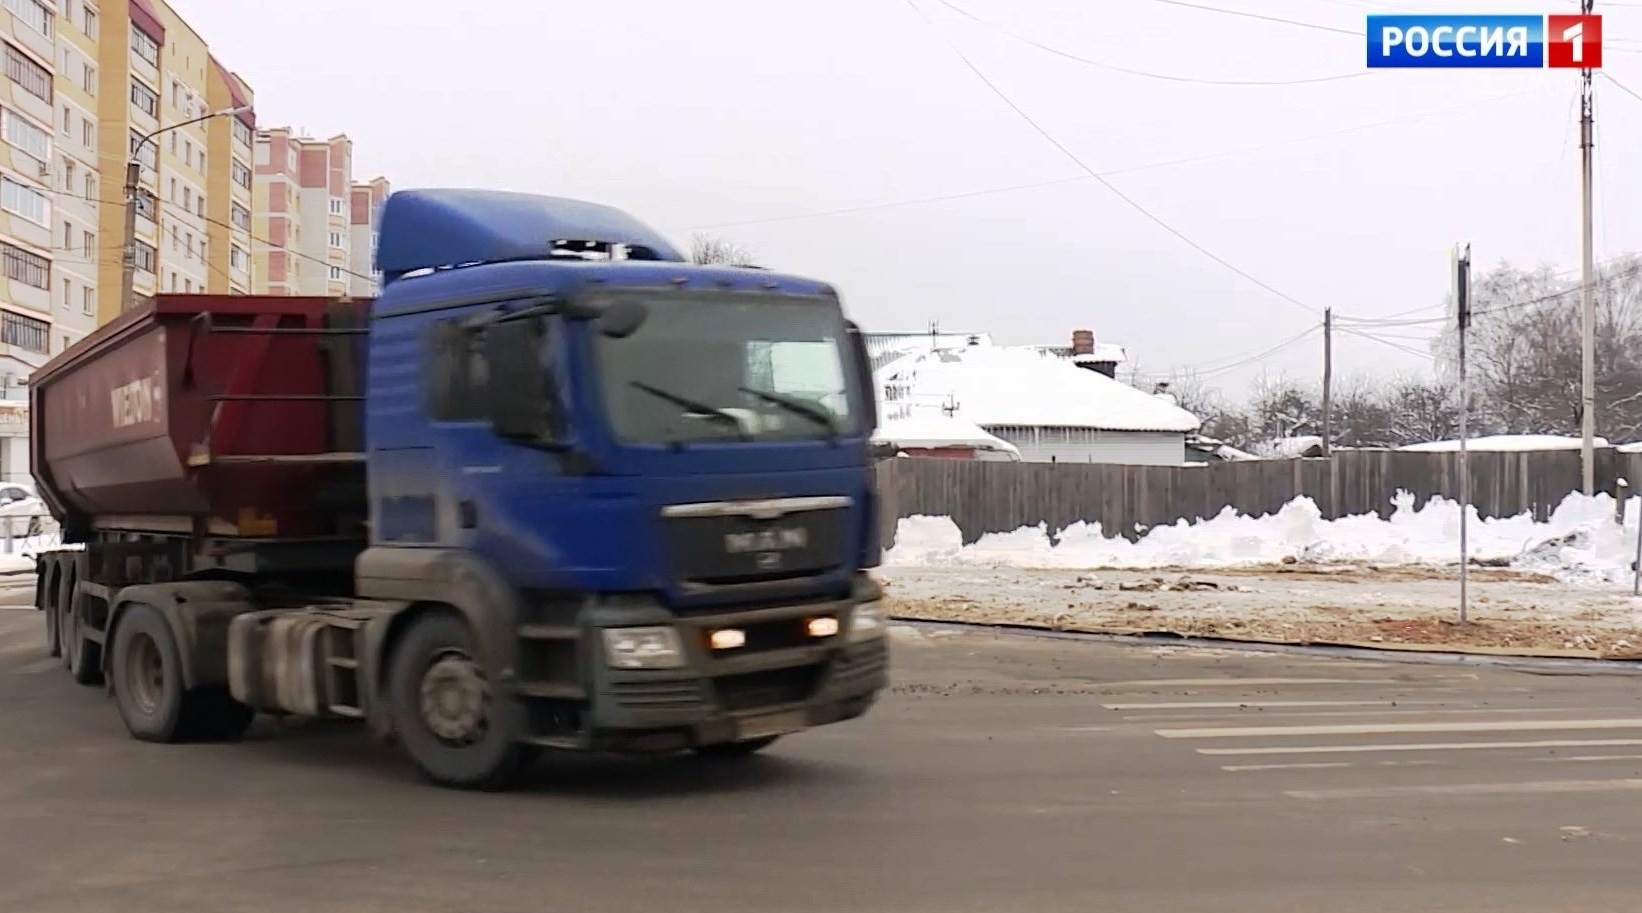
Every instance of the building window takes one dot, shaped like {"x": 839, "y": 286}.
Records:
{"x": 25, "y": 266}
{"x": 23, "y": 70}
{"x": 240, "y": 216}
{"x": 90, "y": 246}
{"x": 146, "y": 47}
{"x": 88, "y": 304}
{"x": 336, "y": 239}
{"x": 241, "y": 174}
{"x": 338, "y": 207}
{"x": 24, "y": 332}
{"x": 199, "y": 205}
{"x": 237, "y": 258}
{"x": 190, "y": 243}
{"x": 146, "y": 256}
{"x": 242, "y": 132}
{"x": 68, "y": 292}
{"x": 88, "y": 79}
{"x": 24, "y": 201}
{"x": 145, "y": 152}
{"x": 91, "y": 22}
{"x": 147, "y": 203}
{"x": 91, "y": 185}
{"x": 187, "y": 197}
{"x": 146, "y": 99}
{"x": 68, "y": 175}
{"x": 202, "y": 161}
{"x": 188, "y": 286}
{"x": 88, "y": 133}
{"x": 68, "y": 237}
{"x": 68, "y": 119}
{"x": 25, "y": 134}
{"x": 336, "y": 274}
{"x": 33, "y": 14}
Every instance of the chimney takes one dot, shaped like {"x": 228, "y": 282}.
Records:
{"x": 1083, "y": 342}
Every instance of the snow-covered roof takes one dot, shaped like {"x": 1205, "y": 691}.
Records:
{"x": 931, "y": 428}
{"x": 1500, "y": 443}
{"x": 881, "y": 343}
{"x": 995, "y": 386}
{"x": 1288, "y": 448}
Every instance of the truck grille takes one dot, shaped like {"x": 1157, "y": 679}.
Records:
{"x": 769, "y": 688}
{"x": 739, "y": 549}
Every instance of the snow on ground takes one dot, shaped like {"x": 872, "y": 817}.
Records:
{"x": 1292, "y": 576}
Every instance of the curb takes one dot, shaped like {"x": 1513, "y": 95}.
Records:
{"x": 1559, "y": 662}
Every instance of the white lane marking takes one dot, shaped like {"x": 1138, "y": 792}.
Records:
{"x": 1311, "y": 766}
{"x": 1077, "y": 728}
{"x": 1219, "y": 705}
{"x": 1428, "y": 746}
{"x": 1467, "y": 789}
{"x": 1247, "y": 732}
{"x": 40, "y": 665}
{"x": 1237, "y": 682}
{"x": 1590, "y": 757}
{"x": 1468, "y": 711}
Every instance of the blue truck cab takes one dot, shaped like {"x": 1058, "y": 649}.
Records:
{"x": 643, "y": 486}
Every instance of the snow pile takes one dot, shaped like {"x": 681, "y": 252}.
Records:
{"x": 1507, "y": 443}
{"x": 1579, "y": 543}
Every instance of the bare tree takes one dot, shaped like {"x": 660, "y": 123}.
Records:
{"x": 711, "y": 249}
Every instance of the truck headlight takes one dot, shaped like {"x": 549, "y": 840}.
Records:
{"x": 867, "y": 622}
{"x": 643, "y": 648}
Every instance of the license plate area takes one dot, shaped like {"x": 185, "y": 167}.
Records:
{"x": 763, "y": 725}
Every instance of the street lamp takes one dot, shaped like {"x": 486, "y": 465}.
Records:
{"x": 133, "y": 180}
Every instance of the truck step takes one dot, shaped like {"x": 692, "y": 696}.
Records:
{"x": 344, "y": 710}
{"x": 548, "y": 632}
{"x": 550, "y": 690}
{"x": 343, "y": 662}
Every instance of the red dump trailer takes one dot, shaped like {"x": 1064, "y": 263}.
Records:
{"x": 198, "y": 435}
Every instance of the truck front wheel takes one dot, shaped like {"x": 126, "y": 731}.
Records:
{"x": 445, "y": 711}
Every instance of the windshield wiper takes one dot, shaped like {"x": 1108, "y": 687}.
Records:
{"x": 695, "y": 406}
{"x": 817, "y": 414}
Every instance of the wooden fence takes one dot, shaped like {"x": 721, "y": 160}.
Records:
{"x": 986, "y": 497}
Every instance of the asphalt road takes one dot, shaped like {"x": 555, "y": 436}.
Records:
{"x": 1002, "y": 774}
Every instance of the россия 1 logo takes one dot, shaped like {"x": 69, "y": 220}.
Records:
{"x": 1531, "y": 42}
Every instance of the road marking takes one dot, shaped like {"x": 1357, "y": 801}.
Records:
{"x": 1238, "y": 682}
{"x": 1302, "y": 766}
{"x": 1591, "y": 757}
{"x": 1467, "y": 789}
{"x": 1218, "y": 705}
{"x": 1248, "y": 732}
{"x": 40, "y": 665}
{"x": 1468, "y": 711}
{"x": 1429, "y": 746}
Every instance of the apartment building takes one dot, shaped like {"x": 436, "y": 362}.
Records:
{"x": 77, "y": 184}
{"x": 318, "y": 223}
{"x": 366, "y": 199}
{"x": 232, "y": 148}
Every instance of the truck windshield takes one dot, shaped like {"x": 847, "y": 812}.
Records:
{"x": 731, "y": 366}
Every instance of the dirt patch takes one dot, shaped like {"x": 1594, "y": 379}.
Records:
{"x": 1403, "y": 607}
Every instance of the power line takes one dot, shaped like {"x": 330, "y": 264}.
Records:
{"x": 1264, "y": 18}
{"x": 1386, "y": 342}
{"x": 1622, "y": 87}
{"x": 1198, "y": 370}
{"x": 1002, "y": 96}
{"x": 1167, "y": 77}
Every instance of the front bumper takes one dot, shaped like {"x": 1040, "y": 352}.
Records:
{"x": 770, "y": 688}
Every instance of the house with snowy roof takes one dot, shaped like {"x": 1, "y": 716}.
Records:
{"x": 1048, "y": 406}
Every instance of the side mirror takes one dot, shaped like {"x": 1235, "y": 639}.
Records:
{"x": 863, "y": 374}
{"x": 519, "y": 387}
{"x": 621, "y": 318}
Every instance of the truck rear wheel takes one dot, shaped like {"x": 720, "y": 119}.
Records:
{"x": 445, "y": 711}
{"x": 48, "y": 602}
{"x": 83, "y": 657}
{"x": 150, "y": 691}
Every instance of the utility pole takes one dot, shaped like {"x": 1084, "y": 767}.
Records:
{"x": 1462, "y": 309}
{"x": 1587, "y": 326}
{"x": 1328, "y": 381}
{"x": 133, "y": 185}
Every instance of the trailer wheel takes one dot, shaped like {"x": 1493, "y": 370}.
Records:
{"x": 736, "y": 749}
{"x": 48, "y": 602}
{"x": 446, "y": 713}
{"x": 83, "y": 657}
{"x": 147, "y": 672}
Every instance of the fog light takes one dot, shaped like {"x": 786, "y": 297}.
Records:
{"x": 727, "y": 639}
{"x": 826, "y": 626}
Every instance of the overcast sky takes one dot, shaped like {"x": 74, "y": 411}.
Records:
{"x": 759, "y": 121}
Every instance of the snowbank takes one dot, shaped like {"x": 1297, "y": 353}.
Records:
{"x": 1506, "y": 443}
{"x": 1580, "y": 542}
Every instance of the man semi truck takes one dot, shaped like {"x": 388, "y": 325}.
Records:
{"x": 554, "y": 488}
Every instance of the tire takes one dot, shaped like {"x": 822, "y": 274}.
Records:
{"x": 147, "y": 675}
{"x": 736, "y": 749}
{"x": 48, "y": 598}
{"x": 437, "y": 651}
{"x": 83, "y": 657}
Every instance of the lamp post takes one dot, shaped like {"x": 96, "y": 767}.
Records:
{"x": 133, "y": 180}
